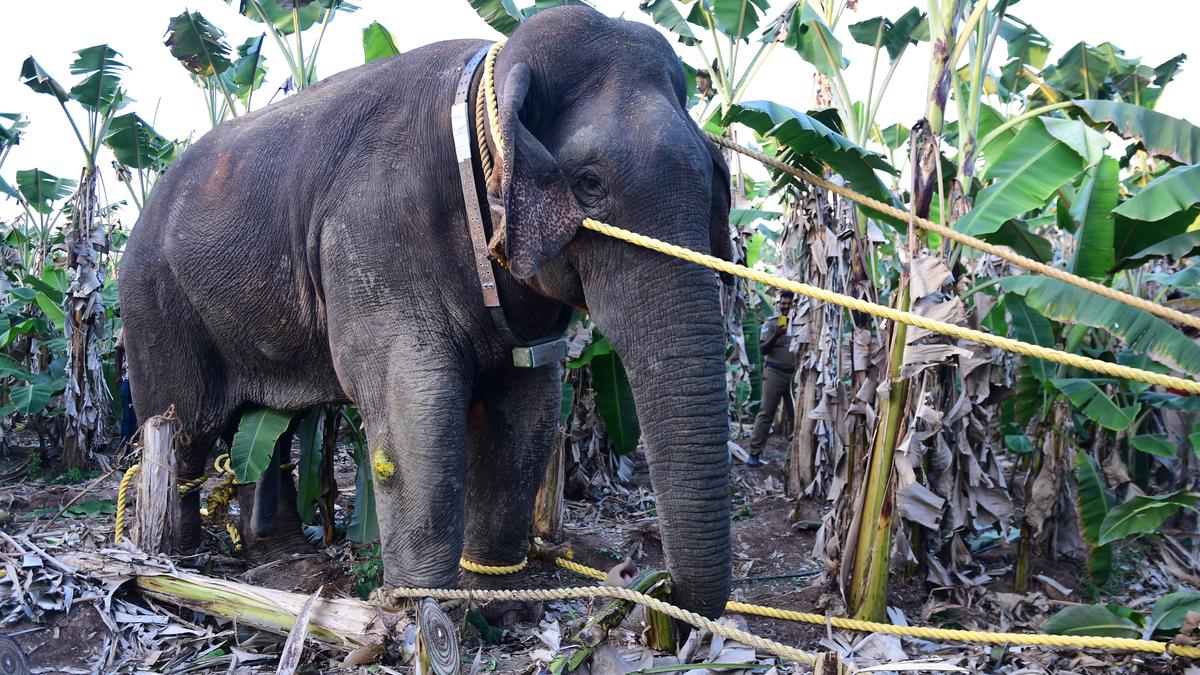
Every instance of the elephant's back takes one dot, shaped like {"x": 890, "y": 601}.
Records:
{"x": 233, "y": 225}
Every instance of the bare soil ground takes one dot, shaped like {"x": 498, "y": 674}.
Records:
{"x": 773, "y": 540}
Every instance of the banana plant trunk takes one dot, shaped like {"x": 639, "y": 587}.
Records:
{"x": 871, "y": 531}
{"x": 86, "y": 396}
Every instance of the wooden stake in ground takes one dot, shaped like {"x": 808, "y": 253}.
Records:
{"x": 829, "y": 663}
{"x": 157, "y": 512}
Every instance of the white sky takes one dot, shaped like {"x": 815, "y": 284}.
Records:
{"x": 51, "y": 30}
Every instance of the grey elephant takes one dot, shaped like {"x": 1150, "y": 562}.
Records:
{"x": 317, "y": 251}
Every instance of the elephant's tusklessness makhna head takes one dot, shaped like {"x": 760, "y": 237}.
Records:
{"x": 593, "y": 121}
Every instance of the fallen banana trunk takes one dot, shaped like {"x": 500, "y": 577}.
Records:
{"x": 350, "y": 625}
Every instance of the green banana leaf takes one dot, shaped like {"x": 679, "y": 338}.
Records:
{"x": 1016, "y": 235}
{"x": 812, "y": 144}
{"x": 1167, "y": 207}
{"x": 504, "y": 15}
{"x": 664, "y": 13}
{"x": 41, "y": 190}
{"x": 1092, "y": 502}
{"x": 10, "y": 368}
{"x": 1160, "y": 134}
{"x": 735, "y": 18}
{"x": 811, "y": 38}
{"x": 100, "y": 89}
{"x": 281, "y": 17}
{"x": 138, "y": 146}
{"x": 378, "y": 43}
{"x": 1177, "y": 248}
{"x": 1090, "y": 620}
{"x": 254, "y": 443}
{"x": 37, "y": 79}
{"x": 1176, "y": 190}
{"x": 248, "y": 71}
{"x": 31, "y": 398}
{"x": 1143, "y": 514}
{"x": 198, "y": 44}
{"x": 891, "y": 36}
{"x": 1092, "y": 214}
{"x": 893, "y": 137}
{"x": 1084, "y": 140}
{"x": 1171, "y": 609}
{"x": 1083, "y": 70}
{"x": 614, "y": 401}
{"x": 1159, "y": 446}
{"x": 1141, "y": 331}
{"x": 308, "y": 468}
{"x": 1029, "y": 326}
{"x": 363, "y": 527}
{"x": 1029, "y": 170}
{"x": 1025, "y": 43}
{"x": 1091, "y": 400}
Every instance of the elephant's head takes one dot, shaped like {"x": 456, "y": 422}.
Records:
{"x": 593, "y": 120}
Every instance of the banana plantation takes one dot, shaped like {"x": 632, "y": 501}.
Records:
{"x": 960, "y": 423}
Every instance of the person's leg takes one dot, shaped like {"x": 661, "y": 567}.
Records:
{"x": 773, "y": 387}
{"x": 789, "y": 406}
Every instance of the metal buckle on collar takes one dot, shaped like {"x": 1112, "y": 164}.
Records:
{"x": 542, "y": 354}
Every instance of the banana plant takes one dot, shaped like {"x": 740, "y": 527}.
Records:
{"x": 224, "y": 78}
{"x": 99, "y": 94}
{"x": 286, "y": 21}
{"x": 141, "y": 154}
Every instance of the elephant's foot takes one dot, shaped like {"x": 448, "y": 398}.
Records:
{"x": 506, "y": 613}
{"x": 276, "y": 541}
{"x": 283, "y": 541}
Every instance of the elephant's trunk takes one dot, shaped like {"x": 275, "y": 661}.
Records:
{"x": 666, "y": 325}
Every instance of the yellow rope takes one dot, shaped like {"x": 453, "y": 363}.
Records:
{"x": 942, "y": 634}
{"x": 582, "y": 570}
{"x": 485, "y": 155}
{"x": 192, "y": 485}
{"x": 122, "y": 499}
{"x": 235, "y": 537}
{"x": 489, "y": 92}
{"x": 966, "y": 239}
{"x": 1007, "y": 344}
{"x": 781, "y": 650}
{"x": 492, "y": 570}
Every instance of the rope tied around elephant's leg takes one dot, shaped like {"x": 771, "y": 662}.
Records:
{"x": 492, "y": 570}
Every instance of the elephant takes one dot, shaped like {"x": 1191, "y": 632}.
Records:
{"x": 316, "y": 251}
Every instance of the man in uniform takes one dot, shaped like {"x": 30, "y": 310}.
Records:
{"x": 779, "y": 365}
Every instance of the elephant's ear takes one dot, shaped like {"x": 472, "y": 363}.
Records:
{"x": 718, "y": 220}
{"x": 540, "y": 211}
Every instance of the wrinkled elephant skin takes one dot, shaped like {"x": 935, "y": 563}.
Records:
{"x": 316, "y": 251}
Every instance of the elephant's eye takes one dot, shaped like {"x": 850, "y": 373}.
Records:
{"x": 588, "y": 189}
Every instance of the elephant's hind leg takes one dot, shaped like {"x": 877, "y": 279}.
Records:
{"x": 271, "y": 527}
{"x": 173, "y": 366}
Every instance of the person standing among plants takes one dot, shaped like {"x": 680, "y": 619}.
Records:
{"x": 779, "y": 366}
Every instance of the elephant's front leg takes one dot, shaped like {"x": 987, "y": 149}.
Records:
{"x": 416, "y": 432}
{"x": 512, "y": 435}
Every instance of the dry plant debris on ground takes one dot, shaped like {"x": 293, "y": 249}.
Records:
{"x": 71, "y": 621}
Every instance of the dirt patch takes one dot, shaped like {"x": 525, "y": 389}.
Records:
{"x": 74, "y": 640}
